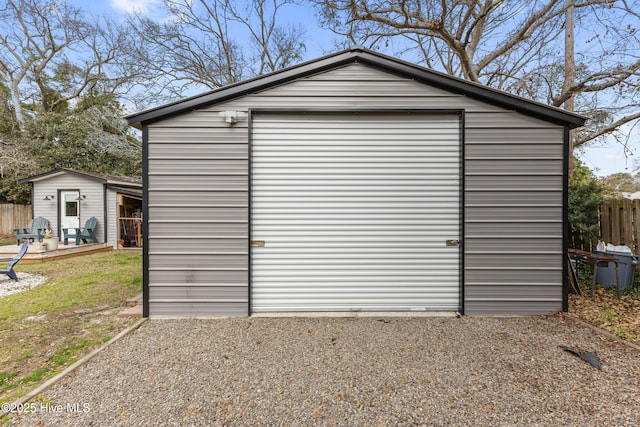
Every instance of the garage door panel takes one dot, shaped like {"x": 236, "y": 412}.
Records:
{"x": 370, "y": 302}
{"x": 346, "y": 203}
{"x": 372, "y": 265}
{"x": 333, "y": 212}
{"x": 353, "y": 212}
{"x": 435, "y": 244}
{"x": 346, "y": 255}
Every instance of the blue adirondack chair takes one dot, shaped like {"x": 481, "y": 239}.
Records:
{"x": 87, "y": 232}
{"x": 34, "y": 231}
{"x": 13, "y": 261}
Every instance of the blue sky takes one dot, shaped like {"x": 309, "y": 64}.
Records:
{"x": 115, "y": 7}
{"x": 134, "y": 5}
{"x": 318, "y": 40}
{"x": 603, "y": 159}
{"x": 609, "y": 158}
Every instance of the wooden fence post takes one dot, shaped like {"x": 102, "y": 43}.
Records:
{"x": 620, "y": 223}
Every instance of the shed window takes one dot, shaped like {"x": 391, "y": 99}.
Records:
{"x": 71, "y": 207}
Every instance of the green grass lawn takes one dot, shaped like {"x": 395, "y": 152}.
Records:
{"x": 45, "y": 329}
{"x": 7, "y": 240}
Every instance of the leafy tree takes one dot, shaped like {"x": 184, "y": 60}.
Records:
{"x": 621, "y": 182}
{"x": 60, "y": 74}
{"x": 586, "y": 195}
{"x": 51, "y": 54}
{"x": 91, "y": 137}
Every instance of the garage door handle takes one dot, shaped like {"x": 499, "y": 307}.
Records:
{"x": 452, "y": 242}
{"x": 257, "y": 243}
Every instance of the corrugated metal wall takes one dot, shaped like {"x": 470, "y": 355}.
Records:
{"x": 198, "y": 198}
{"x": 354, "y": 211}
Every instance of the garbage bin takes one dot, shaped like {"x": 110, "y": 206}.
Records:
{"x": 606, "y": 276}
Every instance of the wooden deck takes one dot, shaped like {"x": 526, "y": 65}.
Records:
{"x": 37, "y": 253}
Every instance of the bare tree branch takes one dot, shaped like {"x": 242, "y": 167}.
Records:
{"x": 215, "y": 43}
{"x": 515, "y": 46}
{"x": 38, "y": 37}
{"x": 605, "y": 130}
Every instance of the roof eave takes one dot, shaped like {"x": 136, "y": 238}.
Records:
{"x": 375, "y": 59}
{"x": 478, "y": 91}
{"x": 60, "y": 171}
{"x": 56, "y": 172}
{"x": 241, "y": 88}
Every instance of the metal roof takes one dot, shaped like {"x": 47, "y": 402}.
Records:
{"x": 371, "y": 58}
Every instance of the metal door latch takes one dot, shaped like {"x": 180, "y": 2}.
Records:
{"x": 257, "y": 243}
{"x": 452, "y": 242}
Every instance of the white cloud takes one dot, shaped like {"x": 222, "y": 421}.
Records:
{"x": 141, "y": 6}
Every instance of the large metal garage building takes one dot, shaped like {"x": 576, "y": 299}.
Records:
{"x": 355, "y": 183}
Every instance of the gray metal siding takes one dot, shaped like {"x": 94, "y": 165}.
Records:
{"x": 92, "y": 205}
{"x": 513, "y": 227}
{"x": 198, "y": 169}
{"x": 198, "y": 219}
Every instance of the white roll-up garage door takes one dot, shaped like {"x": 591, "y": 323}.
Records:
{"x": 352, "y": 212}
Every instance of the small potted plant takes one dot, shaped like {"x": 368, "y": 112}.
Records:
{"x": 50, "y": 242}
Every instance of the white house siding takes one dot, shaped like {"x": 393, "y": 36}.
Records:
{"x": 198, "y": 200}
{"x": 112, "y": 229}
{"x": 92, "y": 205}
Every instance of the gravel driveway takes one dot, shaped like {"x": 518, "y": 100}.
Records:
{"x": 350, "y": 372}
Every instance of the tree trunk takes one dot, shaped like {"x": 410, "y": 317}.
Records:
{"x": 569, "y": 71}
{"x": 15, "y": 98}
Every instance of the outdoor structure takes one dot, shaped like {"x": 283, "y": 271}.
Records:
{"x": 68, "y": 198}
{"x": 355, "y": 183}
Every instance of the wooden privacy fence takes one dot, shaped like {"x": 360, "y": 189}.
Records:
{"x": 12, "y": 216}
{"x": 620, "y": 223}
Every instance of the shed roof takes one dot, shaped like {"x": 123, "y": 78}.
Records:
{"x": 371, "y": 58}
{"x": 129, "y": 191}
{"x": 110, "y": 180}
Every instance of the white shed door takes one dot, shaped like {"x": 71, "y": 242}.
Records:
{"x": 351, "y": 212}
